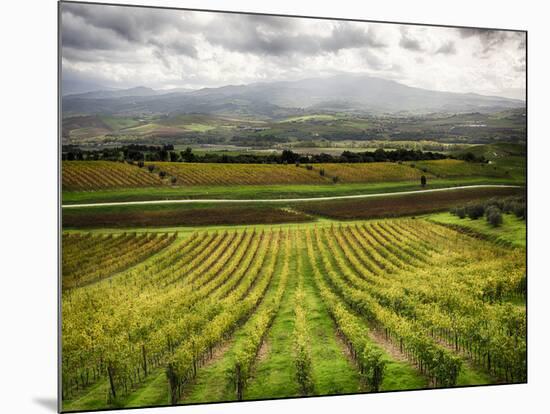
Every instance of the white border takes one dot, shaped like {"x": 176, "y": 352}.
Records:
{"x": 29, "y": 210}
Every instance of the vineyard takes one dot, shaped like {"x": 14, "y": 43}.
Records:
{"x": 371, "y": 172}
{"x": 98, "y": 175}
{"x": 105, "y": 255}
{"x": 458, "y": 168}
{"x": 291, "y": 311}
{"x": 94, "y": 175}
{"x": 239, "y": 174}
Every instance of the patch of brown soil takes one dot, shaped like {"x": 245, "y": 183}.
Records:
{"x": 263, "y": 352}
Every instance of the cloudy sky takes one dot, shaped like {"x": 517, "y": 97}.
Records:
{"x": 122, "y": 47}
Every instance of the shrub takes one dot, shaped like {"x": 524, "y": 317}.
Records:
{"x": 475, "y": 211}
{"x": 374, "y": 367}
{"x": 162, "y": 174}
{"x": 173, "y": 180}
{"x": 519, "y": 209}
{"x": 494, "y": 216}
{"x": 297, "y": 163}
{"x": 335, "y": 179}
{"x": 151, "y": 168}
{"x": 458, "y": 211}
{"x": 423, "y": 181}
{"x": 322, "y": 172}
{"x": 141, "y": 164}
{"x": 309, "y": 167}
{"x": 495, "y": 202}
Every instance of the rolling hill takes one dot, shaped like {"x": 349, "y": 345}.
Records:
{"x": 274, "y": 100}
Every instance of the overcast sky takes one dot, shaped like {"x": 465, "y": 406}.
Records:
{"x": 122, "y": 47}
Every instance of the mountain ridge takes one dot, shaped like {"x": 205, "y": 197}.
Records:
{"x": 354, "y": 93}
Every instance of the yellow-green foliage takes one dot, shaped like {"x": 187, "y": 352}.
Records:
{"x": 95, "y": 175}
{"x": 459, "y": 168}
{"x": 88, "y": 258}
{"x": 439, "y": 295}
{"x": 370, "y": 172}
{"x": 239, "y": 174}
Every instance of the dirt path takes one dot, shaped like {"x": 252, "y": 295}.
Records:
{"x": 283, "y": 200}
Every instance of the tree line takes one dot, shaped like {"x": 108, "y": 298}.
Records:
{"x": 168, "y": 153}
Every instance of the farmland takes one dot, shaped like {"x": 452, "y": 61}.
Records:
{"x": 212, "y": 213}
{"x": 196, "y": 281}
{"x": 104, "y": 181}
{"x": 298, "y": 309}
{"x": 94, "y": 175}
{"x": 311, "y": 129}
{"x": 224, "y": 281}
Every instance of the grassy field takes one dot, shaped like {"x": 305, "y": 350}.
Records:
{"x": 204, "y": 213}
{"x": 457, "y": 168}
{"x": 173, "y": 326}
{"x": 180, "y": 215}
{"x": 512, "y": 230}
{"x": 184, "y": 129}
{"x": 256, "y": 192}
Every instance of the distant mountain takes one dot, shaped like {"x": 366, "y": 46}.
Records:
{"x": 342, "y": 93}
{"x": 72, "y": 86}
{"x": 116, "y": 93}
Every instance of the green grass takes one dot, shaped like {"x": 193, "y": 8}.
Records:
{"x": 198, "y": 127}
{"x": 513, "y": 230}
{"x": 211, "y": 383}
{"x": 274, "y": 375}
{"x": 95, "y": 396}
{"x": 401, "y": 376}
{"x": 264, "y": 191}
{"x": 332, "y": 372}
{"x": 448, "y": 168}
{"x": 154, "y": 391}
{"x": 117, "y": 123}
{"x": 471, "y": 376}
{"x": 304, "y": 118}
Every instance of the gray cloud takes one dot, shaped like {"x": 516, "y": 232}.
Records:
{"x": 78, "y": 34}
{"x": 493, "y": 39}
{"x": 408, "y": 42}
{"x": 131, "y": 46}
{"x": 132, "y": 24}
{"x": 257, "y": 36}
{"x": 447, "y": 48}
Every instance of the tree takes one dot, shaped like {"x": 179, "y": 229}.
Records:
{"x": 322, "y": 172}
{"x": 173, "y": 180}
{"x": 335, "y": 179}
{"x": 141, "y": 164}
{"x": 151, "y": 168}
{"x": 187, "y": 155}
{"x": 494, "y": 216}
{"x": 423, "y": 181}
{"x": 162, "y": 174}
{"x": 174, "y": 156}
{"x": 475, "y": 211}
{"x": 289, "y": 156}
